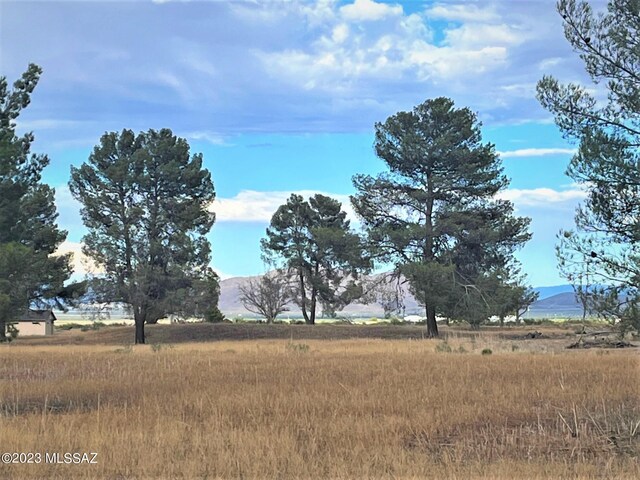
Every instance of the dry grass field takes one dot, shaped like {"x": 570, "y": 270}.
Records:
{"x": 309, "y": 409}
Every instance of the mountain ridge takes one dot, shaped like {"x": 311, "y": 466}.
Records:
{"x": 553, "y": 301}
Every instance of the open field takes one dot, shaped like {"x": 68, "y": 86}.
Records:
{"x": 557, "y": 336}
{"x": 319, "y": 408}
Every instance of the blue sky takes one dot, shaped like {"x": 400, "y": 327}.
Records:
{"x": 282, "y": 97}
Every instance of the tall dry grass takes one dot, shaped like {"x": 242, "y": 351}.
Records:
{"x": 332, "y": 409}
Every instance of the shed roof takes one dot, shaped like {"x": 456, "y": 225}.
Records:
{"x": 36, "y": 316}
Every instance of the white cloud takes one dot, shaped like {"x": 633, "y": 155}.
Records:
{"x": 542, "y": 196}
{"x": 369, "y": 10}
{"x": 462, "y": 12}
{"x": 450, "y": 63}
{"x": 254, "y": 206}
{"x": 340, "y": 33}
{"x": 472, "y": 35}
{"x": 549, "y": 63}
{"x": 401, "y": 48}
{"x": 283, "y": 66}
{"x": 209, "y": 137}
{"x": 536, "y": 152}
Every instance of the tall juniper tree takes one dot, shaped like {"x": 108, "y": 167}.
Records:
{"x": 606, "y": 244}
{"x": 29, "y": 235}
{"x": 146, "y": 203}
{"x": 433, "y": 213}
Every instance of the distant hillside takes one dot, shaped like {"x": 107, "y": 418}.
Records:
{"x": 554, "y": 301}
{"x": 560, "y": 305}
{"x": 231, "y": 305}
{"x": 546, "y": 292}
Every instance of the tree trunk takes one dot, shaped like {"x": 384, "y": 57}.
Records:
{"x": 3, "y": 331}
{"x": 314, "y": 296}
{"x": 139, "y": 319}
{"x": 303, "y": 295}
{"x": 432, "y": 326}
{"x": 312, "y": 317}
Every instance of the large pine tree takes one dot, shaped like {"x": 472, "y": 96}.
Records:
{"x": 29, "y": 273}
{"x": 433, "y": 213}
{"x": 146, "y": 203}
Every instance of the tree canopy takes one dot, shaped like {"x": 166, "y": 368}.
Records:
{"x": 146, "y": 204}
{"x": 605, "y": 246}
{"x": 29, "y": 235}
{"x": 314, "y": 240}
{"x": 434, "y": 212}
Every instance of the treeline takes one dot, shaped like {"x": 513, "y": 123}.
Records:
{"x": 433, "y": 215}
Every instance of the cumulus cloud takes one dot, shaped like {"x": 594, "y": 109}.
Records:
{"x": 369, "y": 10}
{"x": 402, "y": 49}
{"x": 284, "y": 66}
{"x": 255, "y": 206}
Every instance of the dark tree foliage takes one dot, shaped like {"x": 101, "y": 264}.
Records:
{"x": 511, "y": 295}
{"x": 321, "y": 253}
{"x": 433, "y": 213}
{"x": 146, "y": 203}
{"x": 29, "y": 235}
{"x": 605, "y": 247}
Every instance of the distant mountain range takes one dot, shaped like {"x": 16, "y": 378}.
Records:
{"x": 546, "y": 292}
{"x": 554, "y": 301}
{"x": 560, "y": 305}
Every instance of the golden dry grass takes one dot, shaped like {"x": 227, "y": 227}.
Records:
{"x": 339, "y": 409}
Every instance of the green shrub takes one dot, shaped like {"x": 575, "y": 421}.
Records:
{"x": 486, "y": 351}
{"x": 443, "y": 347}
{"x": 214, "y": 315}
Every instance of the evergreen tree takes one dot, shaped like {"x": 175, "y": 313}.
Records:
{"x": 319, "y": 251}
{"x": 29, "y": 235}
{"x": 606, "y": 243}
{"x": 433, "y": 213}
{"x": 145, "y": 202}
